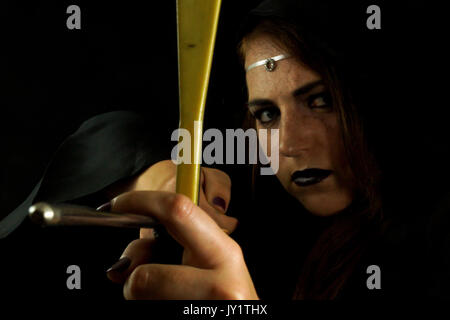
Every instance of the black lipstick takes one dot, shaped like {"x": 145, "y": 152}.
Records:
{"x": 309, "y": 177}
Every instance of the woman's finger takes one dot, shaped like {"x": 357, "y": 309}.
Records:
{"x": 162, "y": 282}
{"x": 217, "y": 187}
{"x": 192, "y": 227}
{"x": 137, "y": 252}
{"x": 146, "y": 233}
{"x": 225, "y": 222}
{"x": 214, "y": 197}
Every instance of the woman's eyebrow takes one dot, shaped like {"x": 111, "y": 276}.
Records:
{"x": 297, "y": 92}
{"x": 259, "y": 103}
{"x": 306, "y": 88}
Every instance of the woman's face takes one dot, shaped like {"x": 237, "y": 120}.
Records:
{"x": 293, "y": 99}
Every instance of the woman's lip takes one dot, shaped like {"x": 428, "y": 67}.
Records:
{"x": 310, "y": 176}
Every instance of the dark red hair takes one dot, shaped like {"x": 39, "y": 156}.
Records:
{"x": 340, "y": 247}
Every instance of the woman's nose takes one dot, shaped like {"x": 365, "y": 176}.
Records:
{"x": 295, "y": 135}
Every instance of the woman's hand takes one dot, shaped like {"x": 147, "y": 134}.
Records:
{"x": 214, "y": 198}
{"x": 213, "y": 266}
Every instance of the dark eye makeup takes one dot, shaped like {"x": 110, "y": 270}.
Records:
{"x": 268, "y": 113}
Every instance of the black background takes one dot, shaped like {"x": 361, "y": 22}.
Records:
{"x": 124, "y": 58}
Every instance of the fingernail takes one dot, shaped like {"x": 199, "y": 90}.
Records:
{"x": 105, "y": 207}
{"x": 120, "y": 265}
{"x": 218, "y": 201}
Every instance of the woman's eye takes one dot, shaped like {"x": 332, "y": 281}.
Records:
{"x": 265, "y": 116}
{"x": 321, "y": 100}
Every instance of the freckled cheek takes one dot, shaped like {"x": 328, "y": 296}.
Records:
{"x": 270, "y": 144}
{"x": 268, "y": 140}
{"x": 336, "y": 150}
{"x": 283, "y": 173}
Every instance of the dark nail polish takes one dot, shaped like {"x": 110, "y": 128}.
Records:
{"x": 120, "y": 265}
{"x": 218, "y": 201}
{"x": 104, "y": 207}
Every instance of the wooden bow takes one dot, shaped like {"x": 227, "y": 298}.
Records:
{"x": 197, "y": 25}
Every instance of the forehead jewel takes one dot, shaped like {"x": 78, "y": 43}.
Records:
{"x": 270, "y": 63}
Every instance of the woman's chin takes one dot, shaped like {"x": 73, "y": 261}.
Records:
{"x": 325, "y": 204}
